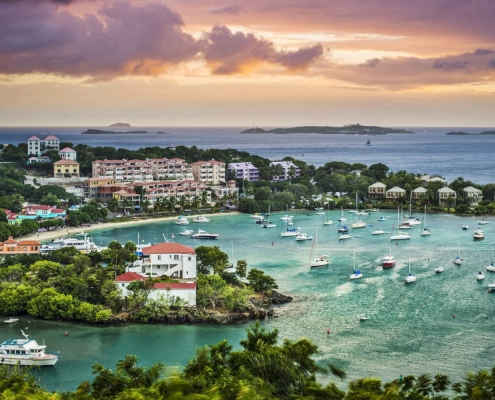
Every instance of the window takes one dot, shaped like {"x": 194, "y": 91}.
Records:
{"x": 176, "y": 256}
{"x": 123, "y": 285}
{"x": 188, "y": 258}
{"x": 159, "y": 257}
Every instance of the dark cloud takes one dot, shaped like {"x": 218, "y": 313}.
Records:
{"x": 233, "y": 9}
{"x": 450, "y": 65}
{"x": 491, "y": 63}
{"x": 483, "y": 52}
{"x": 372, "y": 63}
{"x": 300, "y": 59}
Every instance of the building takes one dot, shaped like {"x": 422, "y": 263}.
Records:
{"x": 92, "y": 185}
{"x": 185, "y": 291}
{"x": 473, "y": 193}
{"x": 290, "y": 170}
{"x": 66, "y": 169}
{"x": 14, "y": 247}
{"x": 169, "y": 258}
{"x": 209, "y": 172}
{"x": 38, "y": 147}
{"x": 227, "y": 190}
{"x": 244, "y": 170}
{"x": 40, "y": 159}
{"x": 68, "y": 154}
{"x": 377, "y": 190}
{"x": 444, "y": 194}
{"x": 418, "y": 192}
{"x": 395, "y": 193}
{"x": 425, "y": 179}
{"x": 173, "y": 168}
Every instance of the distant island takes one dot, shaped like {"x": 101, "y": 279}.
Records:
{"x": 101, "y": 132}
{"x": 467, "y": 133}
{"x": 120, "y": 125}
{"x": 353, "y": 129}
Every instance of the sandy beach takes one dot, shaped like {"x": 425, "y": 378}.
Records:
{"x": 67, "y": 232}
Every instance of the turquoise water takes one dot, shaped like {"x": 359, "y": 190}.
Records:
{"x": 410, "y": 331}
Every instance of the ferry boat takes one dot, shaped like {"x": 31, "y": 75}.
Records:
{"x": 25, "y": 352}
{"x": 85, "y": 245}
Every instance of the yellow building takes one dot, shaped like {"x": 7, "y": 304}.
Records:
{"x": 92, "y": 185}
{"x": 66, "y": 169}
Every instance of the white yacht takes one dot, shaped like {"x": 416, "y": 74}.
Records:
{"x": 478, "y": 234}
{"x": 201, "y": 234}
{"x": 181, "y": 220}
{"x": 458, "y": 260}
{"x": 25, "y": 352}
{"x": 200, "y": 219}
{"x": 85, "y": 245}
{"x": 480, "y": 276}
{"x": 186, "y": 232}
{"x": 379, "y": 231}
{"x": 490, "y": 268}
{"x": 439, "y": 270}
{"x": 286, "y": 217}
{"x": 491, "y": 287}
{"x": 483, "y": 222}
{"x": 344, "y": 236}
{"x": 359, "y": 224}
{"x": 11, "y": 320}
{"x": 303, "y": 236}
{"x": 400, "y": 236}
{"x": 290, "y": 232}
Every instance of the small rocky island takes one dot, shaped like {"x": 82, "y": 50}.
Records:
{"x": 471, "y": 134}
{"x": 120, "y": 125}
{"x": 353, "y": 129}
{"x": 102, "y": 132}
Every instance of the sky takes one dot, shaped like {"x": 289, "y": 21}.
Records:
{"x": 244, "y": 63}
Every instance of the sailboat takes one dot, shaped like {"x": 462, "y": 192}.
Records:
{"x": 342, "y": 218}
{"x": 410, "y": 278}
{"x": 360, "y": 223}
{"x": 368, "y": 143}
{"x": 328, "y": 221}
{"x": 458, "y": 259}
{"x": 319, "y": 260}
{"x": 356, "y": 273}
{"x": 378, "y": 230}
{"x": 388, "y": 261}
{"x": 269, "y": 224}
{"x": 399, "y": 235}
{"x": 491, "y": 267}
{"x": 424, "y": 231}
{"x": 231, "y": 269}
{"x": 480, "y": 276}
{"x": 287, "y": 217}
{"x": 407, "y": 216}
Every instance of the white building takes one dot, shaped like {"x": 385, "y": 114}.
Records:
{"x": 425, "y": 179}
{"x": 68, "y": 154}
{"x": 244, "y": 170}
{"x": 416, "y": 193}
{"x": 38, "y": 147}
{"x": 445, "y": 193}
{"x": 377, "y": 190}
{"x": 209, "y": 172}
{"x": 475, "y": 194}
{"x": 171, "y": 259}
{"x": 185, "y": 291}
{"x": 289, "y": 169}
{"x": 395, "y": 193}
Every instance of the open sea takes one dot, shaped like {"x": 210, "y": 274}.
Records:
{"x": 411, "y": 329}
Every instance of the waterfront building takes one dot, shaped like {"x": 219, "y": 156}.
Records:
{"x": 38, "y": 147}
{"x": 91, "y": 186}
{"x": 227, "y": 190}
{"x": 444, "y": 194}
{"x": 209, "y": 172}
{"x": 173, "y": 168}
{"x": 377, "y": 190}
{"x": 395, "y": 193}
{"x": 14, "y": 247}
{"x": 473, "y": 193}
{"x": 244, "y": 170}
{"x": 418, "y": 192}
{"x": 185, "y": 291}
{"x": 66, "y": 169}
{"x": 172, "y": 259}
{"x": 290, "y": 170}
{"x": 68, "y": 154}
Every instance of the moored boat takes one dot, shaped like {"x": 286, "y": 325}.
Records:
{"x": 303, "y": 236}
{"x": 480, "y": 276}
{"x": 25, "y": 352}
{"x": 85, "y": 245}
{"x": 483, "y": 222}
{"x": 478, "y": 234}
{"x": 200, "y": 219}
{"x": 201, "y": 234}
{"x": 187, "y": 232}
{"x": 11, "y": 320}
{"x": 181, "y": 220}
{"x": 388, "y": 261}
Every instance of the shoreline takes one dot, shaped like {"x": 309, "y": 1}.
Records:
{"x": 71, "y": 231}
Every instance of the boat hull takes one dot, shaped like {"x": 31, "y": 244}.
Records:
{"x": 47, "y": 360}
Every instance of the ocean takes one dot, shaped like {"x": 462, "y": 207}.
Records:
{"x": 428, "y": 151}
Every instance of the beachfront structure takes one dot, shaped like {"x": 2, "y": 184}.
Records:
{"x": 395, "y": 193}
{"x": 37, "y": 147}
{"x": 36, "y": 212}
{"x": 13, "y": 247}
{"x": 151, "y": 169}
{"x": 168, "y": 290}
{"x": 244, "y": 170}
{"x": 290, "y": 170}
{"x": 66, "y": 169}
{"x": 227, "y": 190}
{"x": 172, "y": 259}
{"x": 473, "y": 193}
{"x": 377, "y": 190}
{"x": 418, "y": 192}
{"x": 425, "y": 179}
{"x": 68, "y": 154}
{"x": 209, "y": 172}
{"x": 444, "y": 194}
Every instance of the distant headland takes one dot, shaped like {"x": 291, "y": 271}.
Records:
{"x": 353, "y": 129}
{"x": 120, "y": 125}
{"x": 101, "y": 132}
{"x": 471, "y": 134}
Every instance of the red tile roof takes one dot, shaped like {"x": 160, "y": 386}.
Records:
{"x": 64, "y": 162}
{"x": 129, "y": 277}
{"x": 168, "y": 248}
{"x": 51, "y": 137}
{"x": 68, "y": 150}
{"x": 34, "y": 138}
{"x": 168, "y": 285}
{"x": 28, "y": 243}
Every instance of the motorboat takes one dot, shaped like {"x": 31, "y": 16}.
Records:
{"x": 80, "y": 234}
{"x": 465, "y": 227}
{"x": 269, "y": 224}
{"x": 359, "y": 224}
{"x": 491, "y": 287}
{"x": 140, "y": 247}
{"x": 303, "y": 236}
{"x": 379, "y": 232}
{"x": 413, "y": 221}
{"x": 256, "y": 216}
{"x": 478, "y": 234}
{"x": 480, "y": 276}
{"x": 286, "y": 217}
{"x": 483, "y": 222}
{"x": 405, "y": 225}
{"x": 85, "y": 245}
{"x": 458, "y": 260}
{"x": 25, "y": 352}
{"x": 290, "y": 232}
{"x": 200, "y": 219}
{"x": 388, "y": 261}
{"x": 328, "y": 222}
{"x": 11, "y": 320}
{"x": 181, "y": 220}
{"x": 319, "y": 208}
{"x": 343, "y": 229}
{"x": 363, "y": 318}
{"x": 344, "y": 236}
{"x": 201, "y": 234}
{"x": 374, "y": 210}
{"x": 439, "y": 270}
{"x": 363, "y": 213}
{"x": 400, "y": 236}
{"x": 187, "y": 232}
{"x": 382, "y": 219}
{"x": 261, "y": 220}
{"x": 353, "y": 211}
{"x": 490, "y": 268}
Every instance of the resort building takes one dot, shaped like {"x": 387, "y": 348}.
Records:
{"x": 173, "y": 168}
{"x": 13, "y": 247}
{"x": 418, "y": 192}
{"x": 168, "y": 290}
{"x": 91, "y": 186}
{"x": 473, "y": 193}
{"x": 66, "y": 169}
{"x": 290, "y": 170}
{"x": 444, "y": 194}
{"x": 244, "y": 170}
{"x": 37, "y": 147}
{"x": 395, "y": 193}
{"x": 425, "y": 179}
{"x": 68, "y": 154}
{"x": 172, "y": 259}
{"x": 227, "y": 190}
{"x": 209, "y": 172}
{"x": 377, "y": 190}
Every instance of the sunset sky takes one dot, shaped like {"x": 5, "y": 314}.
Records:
{"x": 245, "y": 62}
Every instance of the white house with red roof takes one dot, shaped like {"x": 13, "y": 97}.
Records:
{"x": 169, "y": 258}
{"x": 185, "y": 291}
{"x": 38, "y": 147}
{"x": 68, "y": 154}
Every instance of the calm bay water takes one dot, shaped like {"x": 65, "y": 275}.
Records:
{"x": 410, "y": 331}
{"x": 427, "y": 151}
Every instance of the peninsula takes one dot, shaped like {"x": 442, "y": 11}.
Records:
{"x": 471, "y": 134}
{"x": 102, "y": 132}
{"x": 120, "y": 125}
{"x": 353, "y": 129}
